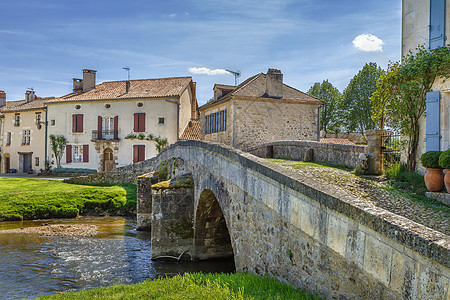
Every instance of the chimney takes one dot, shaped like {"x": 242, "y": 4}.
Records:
{"x": 127, "y": 86}
{"x": 30, "y": 96}
{"x": 2, "y": 98}
{"x": 88, "y": 79}
{"x": 77, "y": 85}
{"x": 274, "y": 83}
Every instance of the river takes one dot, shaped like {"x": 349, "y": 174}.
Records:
{"x": 31, "y": 265}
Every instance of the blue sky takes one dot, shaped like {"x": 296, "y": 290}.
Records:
{"x": 44, "y": 44}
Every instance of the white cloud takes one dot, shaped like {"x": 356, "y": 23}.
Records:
{"x": 172, "y": 15}
{"x": 208, "y": 71}
{"x": 368, "y": 42}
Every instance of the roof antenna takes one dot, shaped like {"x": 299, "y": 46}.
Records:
{"x": 236, "y": 75}
{"x": 128, "y": 71}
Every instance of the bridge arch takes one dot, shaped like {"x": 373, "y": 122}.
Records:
{"x": 211, "y": 235}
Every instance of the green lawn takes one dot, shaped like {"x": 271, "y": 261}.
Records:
{"x": 194, "y": 286}
{"x": 23, "y": 198}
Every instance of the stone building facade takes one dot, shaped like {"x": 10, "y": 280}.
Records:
{"x": 259, "y": 110}
{"x": 22, "y": 131}
{"x": 99, "y": 119}
{"x": 427, "y": 23}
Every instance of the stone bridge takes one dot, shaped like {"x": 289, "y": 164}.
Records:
{"x": 273, "y": 221}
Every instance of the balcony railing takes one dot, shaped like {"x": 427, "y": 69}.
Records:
{"x": 105, "y": 135}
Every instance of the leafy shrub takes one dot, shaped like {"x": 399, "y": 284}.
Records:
{"x": 430, "y": 159}
{"x": 444, "y": 159}
{"x": 396, "y": 172}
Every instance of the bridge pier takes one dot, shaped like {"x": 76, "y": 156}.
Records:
{"x": 172, "y": 220}
{"x": 144, "y": 201}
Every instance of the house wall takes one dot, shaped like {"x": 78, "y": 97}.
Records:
{"x": 225, "y": 137}
{"x": 185, "y": 109}
{"x": 254, "y": 122}
{"x": 259, "y": 122}
{"x": 125, "y": 109}
{"x": 415, "y": 31}
{"x": 37, "y": 141}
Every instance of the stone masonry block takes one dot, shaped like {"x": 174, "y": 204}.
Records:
{"x": 378, "y": 259}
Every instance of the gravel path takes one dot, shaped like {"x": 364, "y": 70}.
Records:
{"x": 435, "y": 216}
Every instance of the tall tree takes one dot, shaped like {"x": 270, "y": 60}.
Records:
{"x": 329, "y": 111}
{"x": 356, "y": 103}
{"x": 400, "y": 97}
{"x": 58, "y": 144}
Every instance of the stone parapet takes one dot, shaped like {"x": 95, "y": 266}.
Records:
{"x": 335, "y": 154}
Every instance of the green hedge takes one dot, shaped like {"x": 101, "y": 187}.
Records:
{"x": 73, "y": 170}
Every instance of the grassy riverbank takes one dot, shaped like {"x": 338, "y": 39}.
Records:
{"x": 23, "y": 198}
{"x": 194, "y": 286}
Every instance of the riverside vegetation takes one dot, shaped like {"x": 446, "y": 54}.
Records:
{"x": 22, "y": 199}
{"x": 194, "y": 286}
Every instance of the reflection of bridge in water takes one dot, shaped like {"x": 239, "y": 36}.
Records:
{"x": 300, "y": 231}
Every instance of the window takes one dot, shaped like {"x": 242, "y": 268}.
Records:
{"x": 108, "y": 127}
{"x": 38, "y": 118}
{"x": 216, "y": 122}
{"x": 107, "y": 106}
{"x": 77, "y": 155}
{"x": 139, "y": 122}
{"x": 77, "y": 123}
{"x": 8, "y": 138}
{"x": 78, "y": 106}
{"x": 80, "y": 153}
{"x": 26, "y": 137}
{"x": 138, "y": 153}
{"x": 53, "y": 122}
{"x": 36, "y": 161}
{"x": 161, "y": 121}
{"x": 17, "y": 120}
{"x": 140, "y": 104}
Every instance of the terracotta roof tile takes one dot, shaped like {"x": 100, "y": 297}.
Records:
{"x": 255, "y": 86}
{"x": 22, "y": 105}
{"x": 144, "y": 88}
{"x": 337, "y": 141}
{"x": 192, "y": 131}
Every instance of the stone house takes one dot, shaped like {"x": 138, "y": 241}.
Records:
{"x": 261, "y": 109}
{"x": 96, "y": 119}
{"x": 427, "y": 23}
{"x": 23, "y": 134}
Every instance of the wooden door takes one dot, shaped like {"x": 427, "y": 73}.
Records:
{"x": 108, "y": 160}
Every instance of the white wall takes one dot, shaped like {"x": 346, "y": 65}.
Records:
{"x": 125, "y": 109}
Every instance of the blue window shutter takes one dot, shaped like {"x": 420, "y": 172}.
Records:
{"x": 217, "y": 121}
{"x": 433, "y": 135}
{"x": 224, "y": 120}
{"x": 437, "y": 24}
{"x": 211, "y": 123}
{"x": 206, "y": 125}
{"x": 220, "y": 120}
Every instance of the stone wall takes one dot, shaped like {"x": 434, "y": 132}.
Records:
{"x": 172, "y": 221}
{"x": 335, "y": 154}
{"x": 313, "y": 236}
{"x": 144, "y": 201}
{"x": 260, "y": 122}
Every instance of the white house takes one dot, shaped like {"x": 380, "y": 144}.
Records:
{"x": 96, "y": 119}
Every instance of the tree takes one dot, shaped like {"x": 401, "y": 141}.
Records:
{"x": 356, "y": 103}
{"x": 58, "y": 144}
{"x": 400, "y": 98}
{"x": 329, "y": 111}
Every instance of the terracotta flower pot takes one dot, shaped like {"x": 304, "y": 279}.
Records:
{"x": 447, "y": 180}
{"x": 434, "y": 179}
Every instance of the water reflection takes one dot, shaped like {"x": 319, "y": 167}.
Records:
{"x": 31, "y": 266}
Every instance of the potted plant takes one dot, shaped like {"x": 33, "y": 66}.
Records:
{"x": 444, "y": 162}
{"x": 434, "y": 178}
